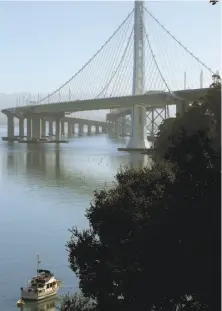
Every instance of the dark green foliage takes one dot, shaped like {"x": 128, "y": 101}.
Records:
{"x": 163, "y": 139}
{"x": 75, "y": 302}
{"x": 204, "y": 116}
{"x": 154, "y": 239}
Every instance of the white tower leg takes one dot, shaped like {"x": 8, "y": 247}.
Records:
{"x": 138, "y": 138}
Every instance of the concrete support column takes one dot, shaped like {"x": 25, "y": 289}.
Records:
{"x": 58, "y": 128}
{"x": 70, "y": 129}
{"x": 109, "y": 128}
{"x": 80, "y": 129}
{"x": 62, "y": 127}
{"x": 10, "y": 125}
{"x": 36, "y": 126}
{"x": 138, "y": 139}
{"x": 118, "y": 128}
{"x": 138, "y": 115}
{"x": 112, "y": 128}
{"x": 29, "y": 128}
{"x": 124, "y": 127}
{"x": 104, "y": 130}
{"x": 50, "y": 127}
{"x": 153, "y": 123}
{"x": 21, "y": 127}
{"x": 97, "y": 129}
{"x": 115, "y": 127}
{"x": 89, "y": 129}
{"x": 43, "y": 126}
{"x": 74, "y": 128}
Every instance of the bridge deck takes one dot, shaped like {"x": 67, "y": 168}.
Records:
{"x": 154, "y": 100}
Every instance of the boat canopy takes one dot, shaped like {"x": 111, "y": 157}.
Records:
{"x": 44, "y": 271}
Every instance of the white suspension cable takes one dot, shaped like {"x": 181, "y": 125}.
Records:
{"x": 154, "y": 58}
{"x": 120, "y": 63}
{"x": 180, "y": 42}
{"x": 128, "y": 16}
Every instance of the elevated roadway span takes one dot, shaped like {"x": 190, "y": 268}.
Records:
{"x": 169, "y": 99}
{"x": 153, "y": 100}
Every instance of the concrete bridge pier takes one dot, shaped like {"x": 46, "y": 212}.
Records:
{"x": 70, "y": 129}
{"x": 62, "y": 127}
{"x": 123, "y": 127}
{"x": 50, "y": 127}
{"x": 113, "y": 128}
{"x": 138, "y": 138}
{"x": 43, "y": 127}
{"x": 118, "y": 128}
{"x": 36, "y": 126}
{"x": 10, "y": 125}
{"x": 21, "y": 127}
{"x": 29, "y": 128}
{"x": 58, "y": 128}
{"x": 89, "y": 129}
{"x": 104, "y": 131}
{"x": 74, "y": 128}
{"x": 109, "y": 128}
{"x": 97, "y": 129}
{"x": 126, "y": 129}
{"x": 80, "y": 129}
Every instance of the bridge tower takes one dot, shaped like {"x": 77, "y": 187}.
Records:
{"x": 138, "y": 138}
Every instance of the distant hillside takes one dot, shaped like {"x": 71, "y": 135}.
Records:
{"x": 9, "y": 100}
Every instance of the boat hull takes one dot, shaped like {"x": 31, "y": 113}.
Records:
{"x": 37, "y": 296}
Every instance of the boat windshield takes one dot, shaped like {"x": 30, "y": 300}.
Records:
{"x": 47, "y": 272}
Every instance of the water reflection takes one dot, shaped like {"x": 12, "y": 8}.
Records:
{"x": 46, "y": 305}
{"x": 42, "y": 165}
{"x": 45, "y": 189}
{"x": 69, "y": 168}
{"x": 139, "y": 161}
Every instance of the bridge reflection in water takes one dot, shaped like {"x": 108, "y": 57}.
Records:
{"x": 46, "y": 305}
{"x": 59, "y": 167}
{"x": 46, "y": 190}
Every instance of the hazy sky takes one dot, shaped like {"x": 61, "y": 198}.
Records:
{"x": 42, "y": 44}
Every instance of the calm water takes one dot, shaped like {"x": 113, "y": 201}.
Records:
{"x": 45, "y": 190}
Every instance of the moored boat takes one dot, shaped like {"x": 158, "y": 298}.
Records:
{"x": 41, "y": 286}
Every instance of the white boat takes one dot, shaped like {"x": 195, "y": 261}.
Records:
{"x": 41, "y": 286}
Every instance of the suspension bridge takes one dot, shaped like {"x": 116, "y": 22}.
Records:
{"x": 135, "y": 75}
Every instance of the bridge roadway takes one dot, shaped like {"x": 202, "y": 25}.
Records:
{"x": 56, "y": 111}
{"x": 187, "y": 95}
{"x": 152, "y": 100}
{"x": 82, "y": 121}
